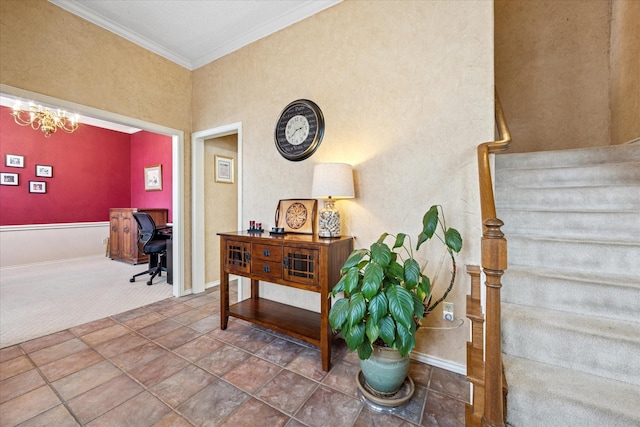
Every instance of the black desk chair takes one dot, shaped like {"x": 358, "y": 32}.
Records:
{"x": 152, "y": 243}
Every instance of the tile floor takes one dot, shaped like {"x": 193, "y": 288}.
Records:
{"x": 169, "y": 364}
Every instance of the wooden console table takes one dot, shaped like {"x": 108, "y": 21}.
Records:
{"x": 299, "y": 261}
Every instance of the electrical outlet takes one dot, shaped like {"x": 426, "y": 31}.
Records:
{"x": 447, "y": 311}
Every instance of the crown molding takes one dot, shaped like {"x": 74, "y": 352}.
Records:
{"x": 79, "y": 9}
{"x": 297, "y": 14}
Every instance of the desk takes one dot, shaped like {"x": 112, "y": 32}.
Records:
{"x": 123, "y": 234}
{"x": 167, "y": 230}
{"x": 295, "y": 260}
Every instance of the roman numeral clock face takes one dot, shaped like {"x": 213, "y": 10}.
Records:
{"x": 299, "y": 130}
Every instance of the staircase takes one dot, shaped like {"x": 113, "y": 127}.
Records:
{"x": 571, "y": 293}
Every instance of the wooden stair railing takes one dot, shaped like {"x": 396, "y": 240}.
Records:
{"x": 486, "y": 373}
{"x": 475, "y": 350}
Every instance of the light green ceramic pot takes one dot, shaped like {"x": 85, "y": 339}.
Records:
{"x": 385, "y": 370}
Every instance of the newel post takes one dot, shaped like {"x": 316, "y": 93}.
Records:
{"x": 494, "y": 262}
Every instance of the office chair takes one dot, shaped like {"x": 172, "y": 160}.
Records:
{"x": 153, "y": 244}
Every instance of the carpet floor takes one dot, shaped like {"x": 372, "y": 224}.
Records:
{"x": 40, "y": 299}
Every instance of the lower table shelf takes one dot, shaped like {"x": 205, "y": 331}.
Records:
{"x": 293, "y": 321}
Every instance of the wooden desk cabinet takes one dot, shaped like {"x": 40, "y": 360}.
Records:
{"x": 295, "y": 260}
{"x": 123, "y": 233}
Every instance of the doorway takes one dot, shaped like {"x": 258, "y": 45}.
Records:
{"x": 177, "y": 138}
{"x": 226, "y": 143}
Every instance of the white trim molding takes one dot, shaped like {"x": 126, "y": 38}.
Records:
{"x": 197, "y": 194}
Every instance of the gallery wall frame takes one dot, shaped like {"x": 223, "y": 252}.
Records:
{"x": 224, "y": 169}
{"x": 9, "y": 178}
{"x": 153, "y": 178}
{"x": 14, "y": 160}
{"x": 44, "y": 171}
{"x": 38, "y": 187}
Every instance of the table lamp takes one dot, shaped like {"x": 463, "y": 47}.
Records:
{"x": 331, "y": 181}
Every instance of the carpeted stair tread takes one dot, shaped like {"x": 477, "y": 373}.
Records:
{"x": 602, "y": 225}
{"x": 604, "y": 347}
{"x": 612, "y": 296}
{"x": 596, "y": 256}
{"x": 620, "y": 197}
{"x": 541, "y": 395}
{"x": 570, "y": 176}
{"x": 576, "y": 157}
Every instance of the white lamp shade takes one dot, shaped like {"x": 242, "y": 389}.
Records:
{"x": 333, "y": 180}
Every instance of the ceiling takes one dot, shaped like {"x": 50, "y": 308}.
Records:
{"x": 193, "y": 33}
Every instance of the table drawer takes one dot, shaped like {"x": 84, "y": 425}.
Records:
{"x": 266, "y": 252}
{"x": 268, "y": 269}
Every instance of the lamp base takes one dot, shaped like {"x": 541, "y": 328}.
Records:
{"x": 329, "y": 220}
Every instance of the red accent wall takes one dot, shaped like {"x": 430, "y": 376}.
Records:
{"x": 150, "y": 149}
{"x": 92, "y": 172}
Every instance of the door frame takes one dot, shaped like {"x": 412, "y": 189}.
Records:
{"x": 177, "y": 157}
{"x": 197, "y": 195}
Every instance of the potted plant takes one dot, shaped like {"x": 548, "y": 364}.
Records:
{"x": 385, "y": 297}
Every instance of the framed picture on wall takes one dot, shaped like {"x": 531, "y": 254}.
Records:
{"x": 37, "y": 187}
{"x": 224, "y": 169}
{"x": 14, "y": 161}
{"x": 44, "y": 171}
{"x": 8, "y": 179}
{"x": 153, "y": 178}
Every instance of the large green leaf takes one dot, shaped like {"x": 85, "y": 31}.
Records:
{"x": 378, "y": 305}
{"x": 354, "y": 258}
{"x": 400, "y": 305}
{"x": 372, "y": 330}
{"x": 338, "y": 313}
{"x": 373, "y": 275}
{"x": 405, "y": 341}
{"x": 396, "y": 271}
{"x": 429, "y": 225}
{"x": 351, "y": 280}
{"x": 382, "y": 237}
{"x": 381, "y": 254}
{"x": 418, "y": 307}
{"x": 399, "y": 240}
{"x": 387, "y": 330}
{"x": 411, "y": 273}
{"x": 453, "y": 239}
{"x": 357, "y": 309}
{"x": 424, "y": 287}
{"x": 365, "y": 350}
{"x": 354, "y": 336}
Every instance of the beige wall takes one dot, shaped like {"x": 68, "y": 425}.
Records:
{"x": 220, "y": 202}
{"x": 625, "y": 71}
{"x": 407, "y": 94}
{"x": 46, "y": 50}
{"x": 552, "y": 72}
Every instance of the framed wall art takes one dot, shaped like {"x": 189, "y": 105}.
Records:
{"x": 37, "y": 187}
{"x": 8, "y": 178}
{"x": 297, "y": 215}
{"x": 224, "y": 169}
{"x": 14, "y": 161}
{"x": 153, "y": 178}
{"x": 44, "y": 171}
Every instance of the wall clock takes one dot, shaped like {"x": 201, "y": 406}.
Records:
{"x": 299, "y": 130}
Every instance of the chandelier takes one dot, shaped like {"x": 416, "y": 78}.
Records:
{"x": 45, "y": 119}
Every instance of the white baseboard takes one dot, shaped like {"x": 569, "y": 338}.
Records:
{"x": 217, "y": 282}
{"x": 440, "y": 363}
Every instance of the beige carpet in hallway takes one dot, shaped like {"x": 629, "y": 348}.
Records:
{"x": 39, "y": 299}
